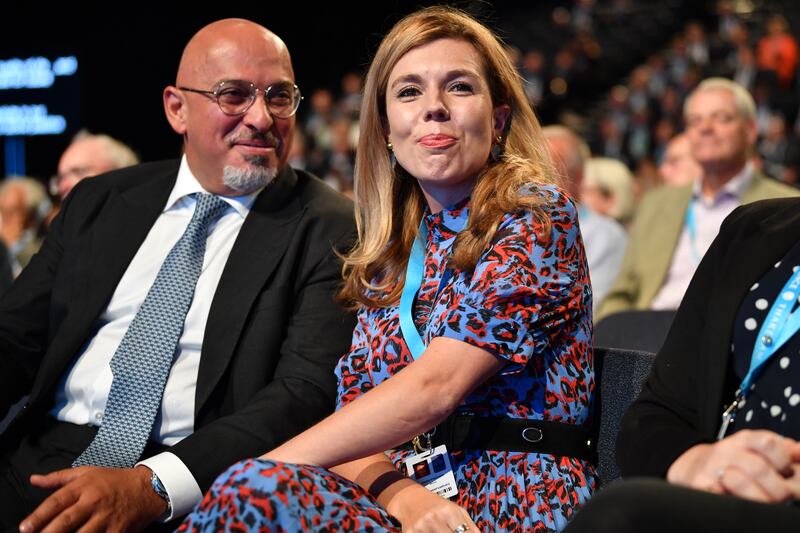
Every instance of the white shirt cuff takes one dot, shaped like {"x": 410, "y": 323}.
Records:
{"x": 178, "y": 481}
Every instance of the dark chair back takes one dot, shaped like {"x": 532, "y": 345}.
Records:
{"x": 620, "y": 375}
{"x": 634, "y": 330}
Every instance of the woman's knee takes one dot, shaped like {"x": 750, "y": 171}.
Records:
{"x": 625, "y": 506}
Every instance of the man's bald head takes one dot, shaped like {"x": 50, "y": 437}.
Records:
{"x": 231, "y": 154}
{"x": 569, "y": 153}
{"x": 89, "y": 155}
{"x": 221, "y": 38}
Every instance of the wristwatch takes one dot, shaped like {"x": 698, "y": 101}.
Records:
{"x": 159, "y": 489}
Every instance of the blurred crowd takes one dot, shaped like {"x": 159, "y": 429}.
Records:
{"x": 642, "y": 116}
{"x": 635, "y": 139}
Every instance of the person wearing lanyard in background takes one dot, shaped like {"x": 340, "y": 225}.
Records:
{"x": 675, "y": 225}
{"x": 720, "y": 414}
{"x": 605, "y": 239}
{"x": 474, "y": 317}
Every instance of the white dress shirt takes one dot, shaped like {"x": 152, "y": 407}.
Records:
{"x": 82, "y": 395}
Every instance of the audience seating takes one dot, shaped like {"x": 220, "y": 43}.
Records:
{"x": 634, "y": 330}
{"x": 620, "y": 375}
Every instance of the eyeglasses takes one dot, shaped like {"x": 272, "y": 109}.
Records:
{"x": 717, "y": 117}
{"x": 235, "y": 97}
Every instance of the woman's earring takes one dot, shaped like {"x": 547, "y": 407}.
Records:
{"x": 392, "y": 159}
{"x": 497, "y": 149}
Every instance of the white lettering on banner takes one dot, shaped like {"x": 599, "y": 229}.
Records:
{"x": 34, "y": 72}
{"x": 30, "y": 120}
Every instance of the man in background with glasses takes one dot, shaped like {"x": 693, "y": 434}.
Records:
{"x": 180, "y": 315}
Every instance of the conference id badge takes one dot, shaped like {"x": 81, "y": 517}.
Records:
{"x": 432, "y": 470}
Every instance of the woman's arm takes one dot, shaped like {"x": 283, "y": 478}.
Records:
{"x": 522, "y": 290}
{"x": 412, "y": 504}
{"x": 666, "y": 420}
{"x": 413, "y": 401}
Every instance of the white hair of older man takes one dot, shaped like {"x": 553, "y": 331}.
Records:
{"x": 119, "y": 154}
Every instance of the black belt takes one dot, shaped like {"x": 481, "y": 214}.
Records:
{"x": 469, "y": 432}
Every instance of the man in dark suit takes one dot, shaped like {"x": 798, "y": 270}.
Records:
{"x": 254, "y": 351}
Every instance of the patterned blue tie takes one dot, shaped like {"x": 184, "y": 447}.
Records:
{"x": 143, "y": 358}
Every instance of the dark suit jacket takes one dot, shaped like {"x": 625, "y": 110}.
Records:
{"x": 682, "y": 401}
{"x": 6, "y": 276}
{"x": 274, "y": 332}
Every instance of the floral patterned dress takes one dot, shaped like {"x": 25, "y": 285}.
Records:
{"x": 528, "y": 302}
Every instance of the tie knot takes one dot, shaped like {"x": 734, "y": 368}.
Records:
{"x": 209, "y": 207}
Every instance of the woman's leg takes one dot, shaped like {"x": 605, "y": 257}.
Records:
{"x": 653, "y": 505}
{"x": 269, "y": 496}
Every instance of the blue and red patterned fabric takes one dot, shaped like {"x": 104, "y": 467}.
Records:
{"x": 528, "y": 301}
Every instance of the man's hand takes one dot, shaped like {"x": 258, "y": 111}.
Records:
{"x": 91, "y": 498}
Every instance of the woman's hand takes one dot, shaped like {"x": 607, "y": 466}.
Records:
{"x": 421, "y": 511}
{"x": 756, "y": 465}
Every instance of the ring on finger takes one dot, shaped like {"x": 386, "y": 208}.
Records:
{"x": 460, "y": 528}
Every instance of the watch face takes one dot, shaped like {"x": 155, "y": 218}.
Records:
{"x": 158, "y": 487}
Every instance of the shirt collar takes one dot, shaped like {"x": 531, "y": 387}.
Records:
{"x": 25, "y": 238}
{"x": 449, "y": 221}
{"x": 735, "y": 186}
{"x": 186, "y": 184}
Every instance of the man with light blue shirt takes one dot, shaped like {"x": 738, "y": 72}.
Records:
{"x": 675, "y": 225}
{"x": 180, "y": 315}
{"x": 604, "y": 238}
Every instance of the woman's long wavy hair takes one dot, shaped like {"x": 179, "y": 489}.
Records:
{"x": 389, "y": 202}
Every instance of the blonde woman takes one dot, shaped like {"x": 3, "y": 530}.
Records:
{"x": 608, "y": 188}
{"x": 471, "y": 360}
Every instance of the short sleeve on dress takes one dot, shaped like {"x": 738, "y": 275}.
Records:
{"x": 524, "y": 285}
{"x": 352, "y": 372}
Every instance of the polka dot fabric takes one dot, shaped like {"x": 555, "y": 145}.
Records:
{"x": 774, "y": 402}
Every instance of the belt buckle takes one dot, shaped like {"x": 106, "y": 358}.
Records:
{"x": 532, "y": 435}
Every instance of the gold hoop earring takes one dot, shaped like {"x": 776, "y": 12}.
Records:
{"x": 392, "y": 159}
{"x": 497, "y": 149}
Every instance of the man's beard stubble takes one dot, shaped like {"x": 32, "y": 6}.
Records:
{"x": 254, "y": 176}
{"x": 257, "y": 174}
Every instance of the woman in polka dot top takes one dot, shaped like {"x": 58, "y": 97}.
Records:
{"x": 743, "y": 475}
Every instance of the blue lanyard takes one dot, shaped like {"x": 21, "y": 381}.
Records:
{"x": 414, "y": 274}
{"x": 691, "y": 227}
{"x": 780, "y": 325}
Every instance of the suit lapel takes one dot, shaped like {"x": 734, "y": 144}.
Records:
{"x": 259, "y": 247}
{"x": 746, "y": 261}
{"x": 755, "y": 190}
{"x": 663, "y": 242}
{"x": 116, "y": 235}
{"x": 135, "y": 210}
